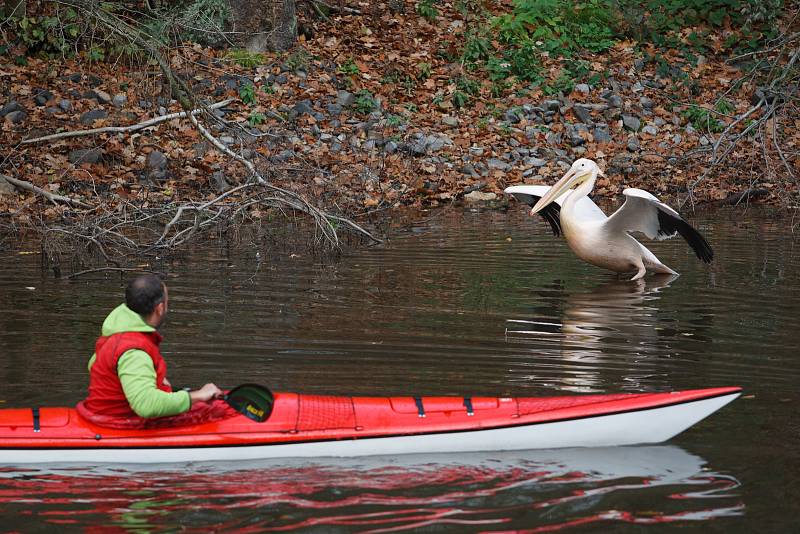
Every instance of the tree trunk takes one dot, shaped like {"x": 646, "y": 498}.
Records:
{"x": 16, "y": 9}
{"x": 261, "y": 25}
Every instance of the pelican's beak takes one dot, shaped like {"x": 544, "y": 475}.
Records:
{"x": 566, "y": 182}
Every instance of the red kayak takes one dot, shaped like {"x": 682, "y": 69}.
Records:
{"x": 298, "y": 425}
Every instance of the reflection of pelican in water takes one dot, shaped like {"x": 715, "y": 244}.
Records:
{"x": 616, "y": 317}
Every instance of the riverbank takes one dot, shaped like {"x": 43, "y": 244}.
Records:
{"x": 370, "y": 112}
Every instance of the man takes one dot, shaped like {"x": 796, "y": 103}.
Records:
{"x": 128, "y": 386}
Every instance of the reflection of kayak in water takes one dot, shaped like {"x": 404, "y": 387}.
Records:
{"x": 318, "y": 426}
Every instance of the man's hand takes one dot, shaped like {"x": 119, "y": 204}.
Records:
{"x": 205, "y": 393}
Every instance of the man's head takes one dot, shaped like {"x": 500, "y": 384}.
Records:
{"x": 147, "y": 295}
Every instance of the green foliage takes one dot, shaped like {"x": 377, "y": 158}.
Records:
{"x": 396, "y": 120}
{"x": 703, "y": 119}
{"x": 423, "y": 71}
{"x": 299, "y": 59}
{"x": 563, "y": 26}
{"x": 407, "y": 83}
{"x": 256, "y": 118}
{"x": 203, "y": 21}
{"x": 349, "y": 67}
{"x": 477, "y": 47}
{"x": 364, "y": 103}
{"x": 245, "y": 58}
{"x": 425, "y": 8}
{"x": 247, "y": 93}
{"x": 48, "y": 35}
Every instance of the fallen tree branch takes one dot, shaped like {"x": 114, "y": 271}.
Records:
{"x": 120, "y": 269}
{"x": 299, "y": 204}
{"x": 124, "y": 129}
{"x": 55, "y": 199}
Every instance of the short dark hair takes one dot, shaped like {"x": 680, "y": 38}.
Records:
{"x": 144, "y": 293}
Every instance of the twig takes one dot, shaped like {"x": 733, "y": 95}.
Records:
{"x": 124, "y": 129}
{"x": 120, "y": 269}
{"x": 55, "y": 199}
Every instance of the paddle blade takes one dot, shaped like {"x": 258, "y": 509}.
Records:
{"x": 251, "y": 400}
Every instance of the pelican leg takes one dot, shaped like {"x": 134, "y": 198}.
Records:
{"x": 642, "y": 271}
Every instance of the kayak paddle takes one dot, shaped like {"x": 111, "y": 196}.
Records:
{"x": 251, "y": 400}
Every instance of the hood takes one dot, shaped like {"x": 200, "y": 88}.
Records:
{"x": 124, "y": 319}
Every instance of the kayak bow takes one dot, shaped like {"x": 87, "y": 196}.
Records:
{"x": 319, "y": 426}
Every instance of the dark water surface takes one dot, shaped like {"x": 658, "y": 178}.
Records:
{"x": 480, "y": 303}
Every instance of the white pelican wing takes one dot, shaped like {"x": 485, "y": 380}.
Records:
{"x": 644, "y": 213}
{"x": 585, "y": 209}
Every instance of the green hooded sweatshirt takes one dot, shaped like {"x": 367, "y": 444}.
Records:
{"x": 136, "y": 372}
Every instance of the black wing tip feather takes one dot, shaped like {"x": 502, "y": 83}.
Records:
{"x": 551, "y": 213}
{"x": 669, "y": 224}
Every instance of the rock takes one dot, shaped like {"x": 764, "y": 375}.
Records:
{"x": 5, "y": 187}
{"x": 200, "y": 149}
{"x": 452, "y": 122}
{"x": 601, "y": 135}
{"x": 94, "y": 81}
{"x": 476, "y": 150}
{"x": 221, "y": 183}
{"x": 535, "y": 162}
{"x": 334, "y": 109}
{"x": 633, "y": 144}
{"x": 42, "y": 97}
{"x": 102, "y": 96}
{"x": 390, "y": 147}
{"x": 582, "y": 114}
{"x": 677, "y": 138}
{"x": 575, "y": 138}
{"x": 52, "y": 111}
{"x": 94, "y": 115}
{"x": 637, "y": 88}
{"x": 498, "y": 164}
{"x": 65, "y": 105}
{"x": 304, "y": 106}
{"x": 157, "y": 160}
{"x": 646, "y": 103}
{"x": 478, "y": 196}
{"x": 16, "y": 117}
{"x": 227, "y": 140}
{"x": 553, "y": 138}
{"x": 87, "y": 155}
{"x": 369, "y": 144}
{"x": 10, "y": 107}
{"x": 615, "y": 101}
{"x": 690, "y": 129}
{"x": 631, "y": 123}
{"x": 551, "y": 105}
{"x": 650, "y": 130}
{"x": 583, "y": 88}
{"x": 345, "y": 98}
{"x": 513, "y": 115}
{"x": 704, "y": 141}
{"x": 119, "y": 100}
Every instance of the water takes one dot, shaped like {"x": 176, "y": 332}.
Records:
{"x": 460, "y": 302}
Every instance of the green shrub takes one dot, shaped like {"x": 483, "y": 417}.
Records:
{"x": 425, "y": 8}
{"x": 364, "y": 103}
{"x": 245, "y": 58}
{"x": 247, "y": 93}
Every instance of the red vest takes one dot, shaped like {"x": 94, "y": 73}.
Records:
{"x": 106, "y": 396}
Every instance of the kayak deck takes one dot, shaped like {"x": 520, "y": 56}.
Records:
{"x": 315, "y": 425}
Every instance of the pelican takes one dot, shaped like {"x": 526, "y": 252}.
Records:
{"x": 607, "y": 241}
